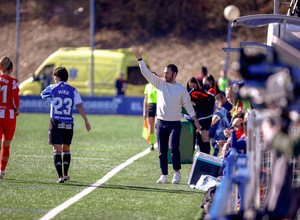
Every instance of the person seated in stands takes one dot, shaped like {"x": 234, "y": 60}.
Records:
{"x": 237, "y": 140}
{"x": 239, "y": 105}
{"x": 226, "y": 105}
{"x": 219, "y": 124}
{"x": 238, "y": 127}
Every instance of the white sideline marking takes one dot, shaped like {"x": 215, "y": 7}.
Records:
{"x": 53, "y": 212}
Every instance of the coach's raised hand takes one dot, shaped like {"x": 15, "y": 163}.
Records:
{"x": 138, "y": 54}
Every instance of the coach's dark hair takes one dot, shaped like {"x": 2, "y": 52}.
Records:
{"x": 173, "y": 68}
{"x": 62, "y": 73}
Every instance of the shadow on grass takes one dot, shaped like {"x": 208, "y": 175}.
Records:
{"x": 140, "y": 188}
{"x": 68, "y": 184}
{"x": 34, "y": 183}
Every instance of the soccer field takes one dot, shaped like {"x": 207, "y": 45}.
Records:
{"x": 29, "y": 189}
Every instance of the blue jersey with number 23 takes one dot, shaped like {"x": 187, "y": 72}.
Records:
{"x": 63, "y": 98}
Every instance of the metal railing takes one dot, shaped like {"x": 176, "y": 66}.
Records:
{"x": 254, "y": 178}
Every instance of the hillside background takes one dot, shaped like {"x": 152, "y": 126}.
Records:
{"x": 188, "y": 33}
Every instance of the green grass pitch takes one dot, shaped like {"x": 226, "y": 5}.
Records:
{"x": 29, "y": 189}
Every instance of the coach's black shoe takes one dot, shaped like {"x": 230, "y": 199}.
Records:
{"x": 61, "y": 180}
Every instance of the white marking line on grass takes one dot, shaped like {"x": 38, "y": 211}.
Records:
{"x": 52, "y": 213}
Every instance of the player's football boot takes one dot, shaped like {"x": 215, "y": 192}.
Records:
{"x": 66, "y": 177}
{"x": 2, "y": 174}
{"x": 61, "y": 180}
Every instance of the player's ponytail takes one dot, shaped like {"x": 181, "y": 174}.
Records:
{"x": 5, "y": 64}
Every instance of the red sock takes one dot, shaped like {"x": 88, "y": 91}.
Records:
{"x": 4, "y": 157}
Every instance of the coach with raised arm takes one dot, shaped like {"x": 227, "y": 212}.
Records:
{"x": 171, "y": 96}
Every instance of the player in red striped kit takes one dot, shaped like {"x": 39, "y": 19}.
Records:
{"x": 9, "y": 109}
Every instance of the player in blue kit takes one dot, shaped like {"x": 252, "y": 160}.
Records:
{"x": 63, "y": 98}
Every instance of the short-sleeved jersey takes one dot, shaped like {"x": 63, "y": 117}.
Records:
{"x": 216, "y": 131}
{"x": 63, "y": 98}
{"x": 9, "y": 97}
{"x": 151, "y": 93}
